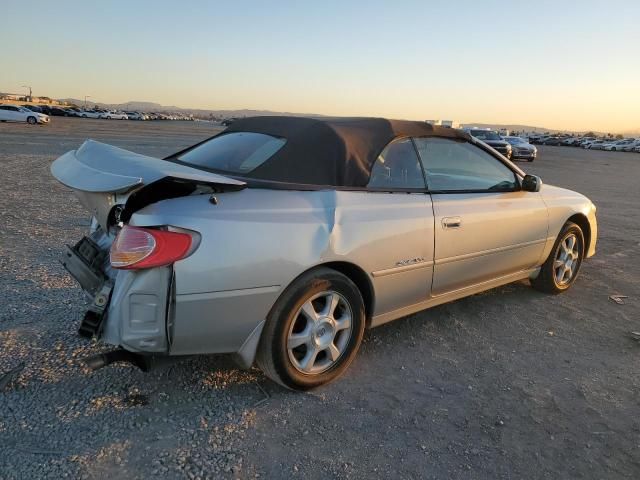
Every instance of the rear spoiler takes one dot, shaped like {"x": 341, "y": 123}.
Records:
{"x": 100, "y": 168}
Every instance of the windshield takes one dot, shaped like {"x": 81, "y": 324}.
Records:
{"x": 514, "y": 140}
{"x": 236, "y": 153}
{"x": 485, "y": 134}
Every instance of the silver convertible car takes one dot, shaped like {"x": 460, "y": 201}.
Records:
{"x": 281, "y": 239}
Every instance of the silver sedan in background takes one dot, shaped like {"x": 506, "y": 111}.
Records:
{"x": 281, "y": 239}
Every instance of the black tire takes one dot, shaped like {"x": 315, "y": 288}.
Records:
{"x": 546, "y": 280}
{"x": 530, "y": 160}
{"x": 32, "y": 120}
{"x": 273, "y": 356}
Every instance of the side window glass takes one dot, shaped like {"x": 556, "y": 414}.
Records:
{"x": 452, "y": 165}
{"x": 397, "y": 167}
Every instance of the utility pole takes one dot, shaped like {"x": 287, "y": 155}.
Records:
{"x": 85, "y": 101}
{"x": 30, "y": 97}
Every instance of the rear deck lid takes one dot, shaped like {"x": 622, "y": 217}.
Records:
{"x": 98, "y": 167}
{"x": 103, "y": 175}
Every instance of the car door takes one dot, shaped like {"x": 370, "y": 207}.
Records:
{"x": 486, "y": 227}
{"x": 20, "y": 115}
{"x": 389, "y": 229}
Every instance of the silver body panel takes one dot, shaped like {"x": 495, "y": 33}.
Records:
{"x": 227, "y": 287}
{"x": 233, "y": 279}
{"x": 417, "y": 250}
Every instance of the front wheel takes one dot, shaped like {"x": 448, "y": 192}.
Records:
{"x": 313, "y": 332}
{"x": 561, "y": 268}
{"x": 32, "y": 120}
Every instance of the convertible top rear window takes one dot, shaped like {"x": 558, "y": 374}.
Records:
{"x": 237, "y": 152}
{"x": 302, "y": 151}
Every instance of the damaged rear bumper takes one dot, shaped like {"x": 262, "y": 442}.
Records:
{"x": 129, "y": 309}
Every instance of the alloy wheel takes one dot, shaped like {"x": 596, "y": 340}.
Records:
{"x": 319, "y": 333}
{"x": 567, "y": 259}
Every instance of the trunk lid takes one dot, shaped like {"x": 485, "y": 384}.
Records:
{"x": 103, "y": 176}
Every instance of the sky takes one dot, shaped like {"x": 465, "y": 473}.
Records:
{"x": 561, "y": 64}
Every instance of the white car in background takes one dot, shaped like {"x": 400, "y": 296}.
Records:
{"x": 584, "y": 141}
{"x": 618, "y": 145}
{"x": 16, "y": 113}
{"x": 114, "y": 115}
{"x": 630, "y": 147}
{"x": 136, "y": 116}
{"x": 90, "y": 113}
{"x": 595, "y": 145}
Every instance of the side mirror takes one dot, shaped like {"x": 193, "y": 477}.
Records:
{"x": 531, "y": 183}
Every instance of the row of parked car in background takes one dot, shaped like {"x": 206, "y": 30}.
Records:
{"x": 589, "y": 142}
{"x": 511, "y": 146}
{"x": 34, "y": 114}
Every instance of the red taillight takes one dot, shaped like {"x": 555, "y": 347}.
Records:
{"x": 136, "y": 247}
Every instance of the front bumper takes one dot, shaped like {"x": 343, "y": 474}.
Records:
{"x": 524, "y": 154}
{"x": 507, "y": 152}
{"x": 593, "y": 223}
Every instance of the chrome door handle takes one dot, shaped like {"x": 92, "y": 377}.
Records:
{"x": 451, "y": 222}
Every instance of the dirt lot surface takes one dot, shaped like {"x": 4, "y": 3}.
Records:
{"x": 508, "y": 384}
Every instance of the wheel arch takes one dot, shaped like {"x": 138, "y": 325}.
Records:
{"x": 583, "y": 222}
{"x": 358, "y": 276}
{"x": 354, "y": 273}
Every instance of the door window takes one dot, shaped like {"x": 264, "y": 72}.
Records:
{"x": 397, "y": 168}
{"x": 456, "y": 166}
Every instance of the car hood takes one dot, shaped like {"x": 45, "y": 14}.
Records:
{"x": 103, "y": 176}
{"x": 497, "y": 143}
{"x": 524, "y": 146}
{"x": 557, "y": 195}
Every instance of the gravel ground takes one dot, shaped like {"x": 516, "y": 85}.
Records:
{"x": 508, "y": 384}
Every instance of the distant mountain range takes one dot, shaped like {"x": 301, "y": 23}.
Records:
{"x": 156, "y": 107}
{"x": 204, "y": 112}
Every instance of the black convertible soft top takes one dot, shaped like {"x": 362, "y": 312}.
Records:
{"x": 336, "y": 152}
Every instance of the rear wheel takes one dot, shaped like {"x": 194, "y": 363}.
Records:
{"x": 32, "y": 120}
{"x": 313, "y": 332}
{"x": 561, "y": 268}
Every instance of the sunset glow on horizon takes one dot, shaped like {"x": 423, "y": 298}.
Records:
{"x": 569, "y": 66}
